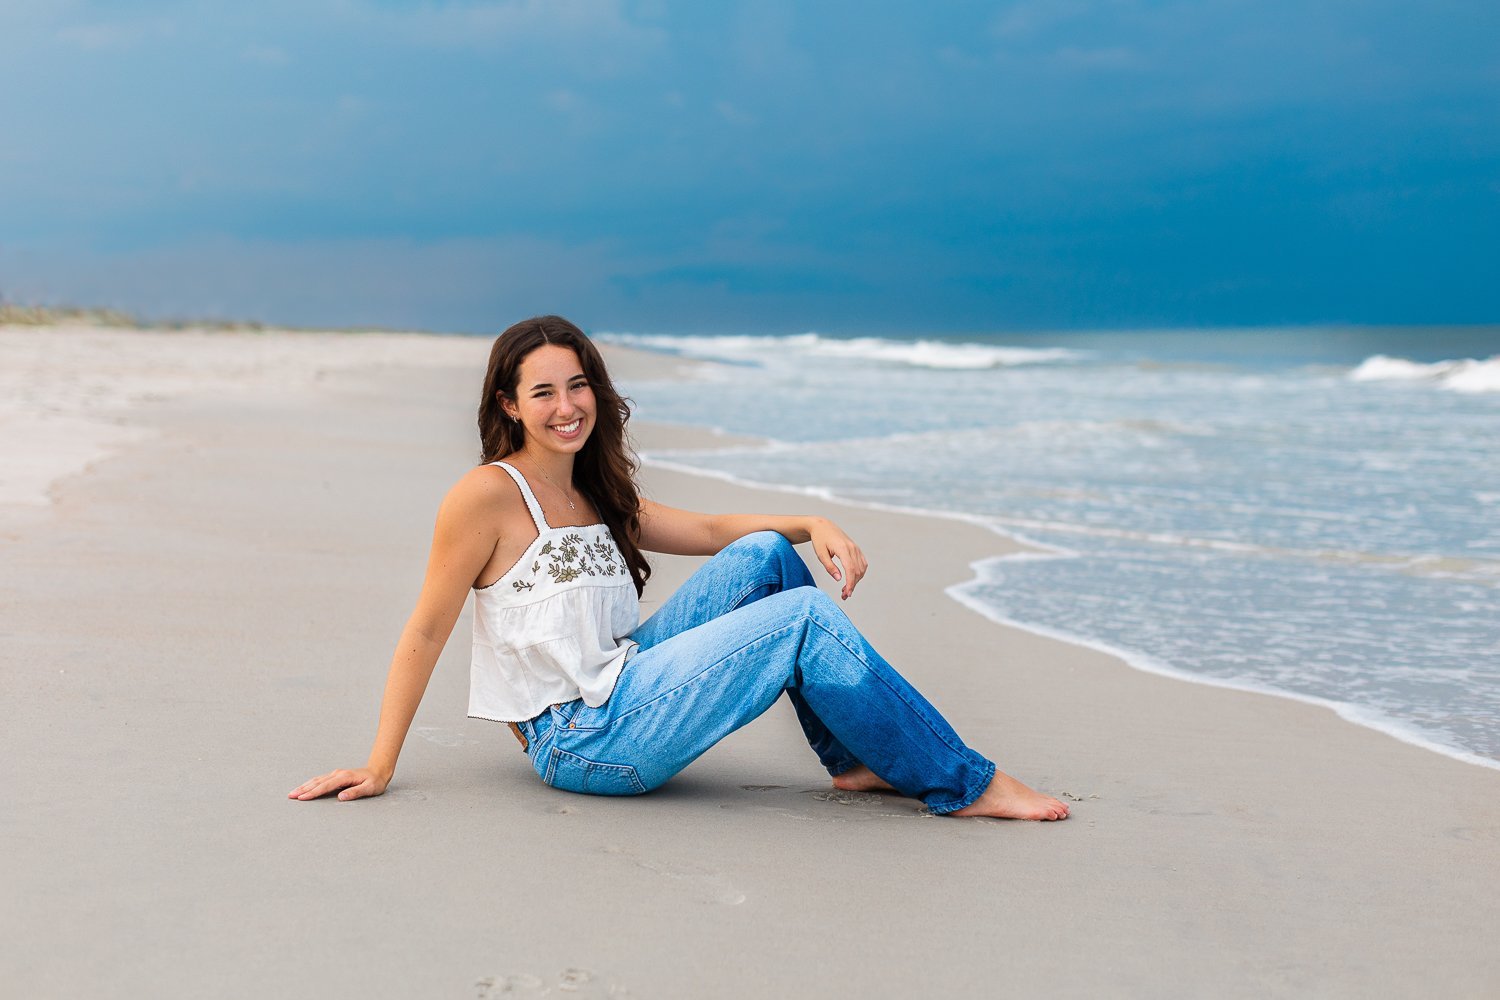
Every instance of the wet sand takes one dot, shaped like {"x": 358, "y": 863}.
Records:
{"x": 202, "y": 618}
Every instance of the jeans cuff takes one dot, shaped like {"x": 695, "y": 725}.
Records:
{"x": 953, "y": 805}
{"x": 836, "y": 769}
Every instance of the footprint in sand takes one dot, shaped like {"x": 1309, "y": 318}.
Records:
{"x": 840, "y": 797}
{"x": 703, "y": 884}
{"x": 844, "y": 798}
{"x": 837, "y": 796}
{"x": 579, "y": 983}
{"x": 521, "y": 985}
{"x": 443, "y": 737}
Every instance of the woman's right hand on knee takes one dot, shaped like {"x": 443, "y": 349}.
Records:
{"x": 359, "y": 783}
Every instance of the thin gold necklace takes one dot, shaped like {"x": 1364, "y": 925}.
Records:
{"x": 565, "y": 495}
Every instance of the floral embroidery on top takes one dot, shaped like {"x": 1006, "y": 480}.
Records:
{"x": 571, "y": 557}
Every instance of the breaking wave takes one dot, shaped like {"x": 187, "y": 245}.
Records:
{"x": 1464, "y": 375}
{"x": 942, "y": 354}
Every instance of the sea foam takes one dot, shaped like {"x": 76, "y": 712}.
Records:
{"x": 1463, "y": 375}
{"x": 940, "y": 354}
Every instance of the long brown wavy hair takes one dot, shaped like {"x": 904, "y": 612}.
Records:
{"x": 604, "y": 470}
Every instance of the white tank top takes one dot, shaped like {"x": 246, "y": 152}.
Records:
{"x": 556, "y": 626}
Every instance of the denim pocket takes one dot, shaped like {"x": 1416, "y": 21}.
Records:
{"x": 573, "y": 773}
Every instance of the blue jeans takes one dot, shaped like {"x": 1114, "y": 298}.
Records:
{"x": 748, "y": 625}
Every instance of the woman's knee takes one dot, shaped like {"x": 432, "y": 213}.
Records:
{"x": 770, "y": 550}
{"x": 760, "y": 544}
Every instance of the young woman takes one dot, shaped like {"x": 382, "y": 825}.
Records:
{"x": 549, "y": 535}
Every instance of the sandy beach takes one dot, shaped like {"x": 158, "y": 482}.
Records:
{"x": 209, "y": 543}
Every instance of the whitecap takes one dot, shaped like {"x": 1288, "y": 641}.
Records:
{"x": 938, "y": 354}
{"x": 1461, "y": 375}
{"x": 1382, "y": 368}
{"x": 1474, "y": 376}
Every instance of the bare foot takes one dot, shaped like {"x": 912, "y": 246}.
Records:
{"x": 1007, "y": 798}
{"x": 860, "y": 779}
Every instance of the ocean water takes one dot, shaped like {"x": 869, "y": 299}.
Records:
{"x": 1314, "y": 513}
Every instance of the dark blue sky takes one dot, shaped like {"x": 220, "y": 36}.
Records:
{"x": 845, "y": 167}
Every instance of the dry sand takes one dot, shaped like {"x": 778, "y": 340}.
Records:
{"x": 203, "y": 619}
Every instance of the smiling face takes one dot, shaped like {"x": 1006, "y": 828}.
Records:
{"x": 553, "y": 400}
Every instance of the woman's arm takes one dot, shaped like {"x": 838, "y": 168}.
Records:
{"x": 462, "y": 543}
{"x": 687, "y": 533}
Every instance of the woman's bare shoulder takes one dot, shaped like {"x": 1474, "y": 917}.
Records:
{"x": 484, "y": 489}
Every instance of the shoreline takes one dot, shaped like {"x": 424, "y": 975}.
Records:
{"x": 1356, "y": 715}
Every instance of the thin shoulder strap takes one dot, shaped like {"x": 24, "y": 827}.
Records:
{"x": 528, "y": 496}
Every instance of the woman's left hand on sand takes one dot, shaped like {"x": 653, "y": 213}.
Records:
{"x": 358, "y": 783}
